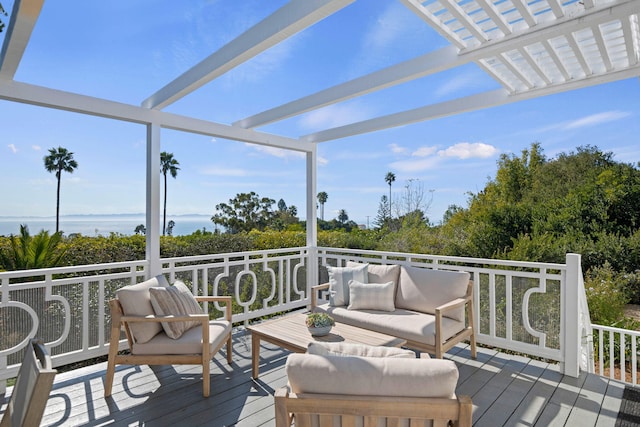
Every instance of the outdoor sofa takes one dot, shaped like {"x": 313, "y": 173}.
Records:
{"x": 431, "y": 309}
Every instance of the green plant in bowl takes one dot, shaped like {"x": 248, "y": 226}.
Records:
{"x": 319, "y": 320}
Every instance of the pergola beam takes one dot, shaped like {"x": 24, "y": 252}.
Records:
{"x": 282, "y": 24}
{"x": 24, "y": 16}
{"x": 434, "y": 62}
{"x": 462, "y": 105}
{"x": 51, "y": 98}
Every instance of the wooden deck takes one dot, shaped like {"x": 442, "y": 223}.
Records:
{"x": 506, "y": 390}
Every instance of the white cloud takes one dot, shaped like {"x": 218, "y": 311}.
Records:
{"x": 396, "y": 149}
{"x": 388, "y": 27}
{"x": 277, "y": 152}
{"x": 468, "y": 150}
{"x": 456, "y": 84}
{"x": 595, "y": 119}
{"x": 425, "y": 151}
{"x": 36, "y": 147}
{"x": 322, "y": 161}
{"x": 333, "y": 116}
{"x": 411, "y": 166}
{"x": 13, "y": 148}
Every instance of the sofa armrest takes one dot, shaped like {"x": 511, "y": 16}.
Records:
{"x": 314, "y": 294}
{"x": 452, "y": 305}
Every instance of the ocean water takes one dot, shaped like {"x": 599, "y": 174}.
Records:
{"x": 102, "y": 225}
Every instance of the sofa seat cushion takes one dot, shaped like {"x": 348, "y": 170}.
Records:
{"x": 136, "y": 301}
{"x": 189, "y": 343}
{"x": 367, "y": 376}
{"x": 355, "y": 349}
{"x": 423, "y": 289}
{"x": 401, "y": 323}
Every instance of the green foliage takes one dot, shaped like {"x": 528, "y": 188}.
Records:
{"x": 25, "y": 252}
{"x": 245, "y": 212}
{"x": 605, "y": 295}
{"x": 319, "y": 320}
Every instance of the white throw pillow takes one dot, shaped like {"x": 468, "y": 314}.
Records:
{"x": 371, "y": 296}
{"x": 339, "y": 278}
{"x": 354, "y": 349}
{"x": 176, "y": 300}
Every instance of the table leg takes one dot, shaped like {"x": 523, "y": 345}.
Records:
{"x": 255, "y": 355}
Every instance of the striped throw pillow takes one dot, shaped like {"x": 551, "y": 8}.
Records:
{"x": 176, "y": 300}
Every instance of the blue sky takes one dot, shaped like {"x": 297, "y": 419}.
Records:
{"x": 125, "y": 51}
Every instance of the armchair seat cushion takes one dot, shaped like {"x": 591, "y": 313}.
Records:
{"x": 369, "y": 376}
{"x": 189, "y": 343}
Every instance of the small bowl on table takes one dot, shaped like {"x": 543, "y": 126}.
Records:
{"x": 319, "y": 324}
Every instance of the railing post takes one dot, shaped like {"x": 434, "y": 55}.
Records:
{"x": 571, "y": 315}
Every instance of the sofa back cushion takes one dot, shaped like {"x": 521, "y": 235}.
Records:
{"x": 136, "y": 301}
{"x": 424, "y": 289}
{"x": 380, "y": 273}
{"x": 339, "y": 278}
{"x": 371, "y": 376}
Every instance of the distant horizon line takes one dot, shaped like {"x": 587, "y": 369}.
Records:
{"x": 92, "y": 215}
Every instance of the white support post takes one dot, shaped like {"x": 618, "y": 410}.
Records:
{"x": 571, "y": 339}
{"x": 153, "y": 200}
{"x": 312, "y": 219}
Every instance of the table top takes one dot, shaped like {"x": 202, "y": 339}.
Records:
{"x": 291, "y": 332}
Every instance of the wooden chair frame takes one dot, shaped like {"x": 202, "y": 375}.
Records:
{"x": 31, "y": 391}
{"x": 120, "y": 321}
{"x": 442, "y": 345}
{"x": 300, "y": 409}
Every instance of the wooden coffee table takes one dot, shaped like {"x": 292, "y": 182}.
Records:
{"x": 290, "y": 332}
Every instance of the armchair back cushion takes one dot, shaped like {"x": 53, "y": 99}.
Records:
{"x": 423, "y": 289}
{"x": 136, "y": 301}
{"x": 371, "y": 376}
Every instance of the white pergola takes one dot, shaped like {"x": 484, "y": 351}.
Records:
{"x": 530, "y": 48}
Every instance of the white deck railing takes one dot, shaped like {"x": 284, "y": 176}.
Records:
{"x": 617, "y": 353}
{"x": 522, "y": 306}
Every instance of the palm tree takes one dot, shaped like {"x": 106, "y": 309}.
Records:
{"x": 30, "y": 252}
{"x": 59, "y": 160}
{"x": 167, "y": 164}
{"x": 390, "y": 178}
{"x": 343, "y": 217}
{"x": 322, "y": 199}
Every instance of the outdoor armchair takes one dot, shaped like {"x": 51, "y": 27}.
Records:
{"x": 175, "y": 336}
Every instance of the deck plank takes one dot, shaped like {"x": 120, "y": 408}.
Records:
{"x": 506, "y": 390}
